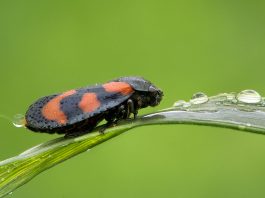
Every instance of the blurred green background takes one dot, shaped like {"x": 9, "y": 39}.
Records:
{"x": 182, "y": 46}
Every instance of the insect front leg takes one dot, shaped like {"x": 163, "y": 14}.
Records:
{"x": 131, "y": 109}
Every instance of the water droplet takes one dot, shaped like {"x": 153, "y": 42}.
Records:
{"x": 88, "y": 150}
{"x": 249, "y": 96}
{"x": 199, "y": 98}
{"x": 63, "y": 145}
{"x": 179, "y": 103}
{"x": 234, "y": 101}
{"x": 187, "y": 104}
{"x": 2, "y": 179}
{"x": 230, "y": 97}
{"x": 19, "y": 120}
{"x": 10, "y": 193}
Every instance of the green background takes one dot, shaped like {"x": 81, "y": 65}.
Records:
{"x": 182, "y": 46}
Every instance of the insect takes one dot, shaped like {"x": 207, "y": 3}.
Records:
{"x": 79, "y": 111}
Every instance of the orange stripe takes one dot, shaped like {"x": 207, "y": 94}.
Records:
{"x": 121, "y": 87}
{"x": 89, "y": 102}
{"x": 52, "y": 110}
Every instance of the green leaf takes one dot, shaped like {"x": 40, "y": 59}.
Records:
{"x": 243, "y": 111}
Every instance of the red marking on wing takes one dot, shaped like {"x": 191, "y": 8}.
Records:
{"x": 52, "y": 110}
{"x": 121, "y": 87}
{"x": 89, "y": 102}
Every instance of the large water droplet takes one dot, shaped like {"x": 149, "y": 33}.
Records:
{"x": 249, "y": 96}
{"x": 199, "y": 98}
{"x": 19, "y": 120}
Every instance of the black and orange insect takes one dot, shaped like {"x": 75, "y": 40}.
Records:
{"x": 79, "y": 111}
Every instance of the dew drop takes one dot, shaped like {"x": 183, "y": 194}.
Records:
{"x": 234, "y": 101}
{"x": 249, "y": 96}
{"x": 2, "y": 179}
{"x": 230, "y": 97}
{"x": 187, "y": 104}
{"x": 179, "y": 103}
{"x": 19, "y": 120}
{"x": 199, "y": 98}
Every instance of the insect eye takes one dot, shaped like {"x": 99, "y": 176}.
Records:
{"x": 152, "y": 89}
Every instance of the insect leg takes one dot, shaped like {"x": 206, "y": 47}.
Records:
{"x": 112, "y": 117}
{"x": 131, "y": 109}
